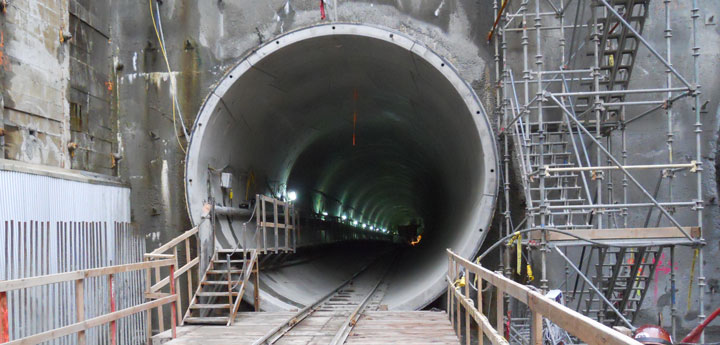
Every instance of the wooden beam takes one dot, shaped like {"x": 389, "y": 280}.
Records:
{"x": 512, "y": 288}
{"x": 175, "y": 241}
{"x": 23, "y": 283}
{"x": 536, "y": 328}
{"x": 113, "y": 326}
{"x": 620, "y": 234}
{"x": 80, "y": 308}
{"x": 581, "y": 326}
{"x": 279, "y": 225}
{"x": 484, "y": 323}
{"x": 159, "y": 285}
{"x": 500, "y": 310}
{"x": 90, "y": 323}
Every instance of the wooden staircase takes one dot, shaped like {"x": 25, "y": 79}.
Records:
{"x": 218, "y": 296}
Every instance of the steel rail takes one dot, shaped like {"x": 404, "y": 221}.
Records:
{"x": 279, "y": 331}
{"x": 353, "y": 318}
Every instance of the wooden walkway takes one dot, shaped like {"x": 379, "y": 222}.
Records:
{"x": 374, "y": 327}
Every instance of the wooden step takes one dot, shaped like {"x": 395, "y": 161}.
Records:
{"x": 221, "y": 320}
{"x": 210, "y": 306}
{"x": 215, "y": 282}
{"x": 210, "y": 294}
{"x": 224, "y": 271}
{"x": 229, "y": 251}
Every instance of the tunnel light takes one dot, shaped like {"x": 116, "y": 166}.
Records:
{"x": 364, "y": 226}
{"x": 344, "y": 217}
{"x": 292, "y": 196}
{"x": 324, "y": 213}
{"x": 372, "y": 227}
{"x": 355, "y": 222}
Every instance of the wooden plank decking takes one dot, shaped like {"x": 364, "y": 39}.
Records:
{"x": 374, "y": 327}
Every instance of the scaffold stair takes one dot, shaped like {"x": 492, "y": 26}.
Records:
{"x": 220, "y": 292}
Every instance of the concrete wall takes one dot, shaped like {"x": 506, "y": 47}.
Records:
{"x": 56, "y": 68}
{"x": 34, "y": 68}
{"x": 205, "y": 39}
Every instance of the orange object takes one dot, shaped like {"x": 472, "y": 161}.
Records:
{"x": 694, "y": 336}
{"x": 4, "y": 328}
{"x": 651, "y": 334}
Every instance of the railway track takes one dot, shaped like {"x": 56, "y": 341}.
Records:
{"x": 331, "y": 318}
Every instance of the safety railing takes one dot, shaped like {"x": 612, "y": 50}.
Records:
{"x": 460, "y": 302}
{"x": 162, "y": 252}
{"x": 288, "y": 224}
{"x": 82, "y": 324}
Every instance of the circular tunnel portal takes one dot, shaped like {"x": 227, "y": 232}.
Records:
{"x": 361, "y": 123}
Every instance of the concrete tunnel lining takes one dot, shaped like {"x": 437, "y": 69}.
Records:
{"x": 425, "y": 149}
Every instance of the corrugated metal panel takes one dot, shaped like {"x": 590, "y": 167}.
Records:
{"x": 26, "y": 197}
{"x": 51, "y": 225}
{"x": 40, "y": 248}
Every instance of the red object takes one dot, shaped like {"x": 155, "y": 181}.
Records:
{"x": 173, "y": 306}
{"x": 354, "y": 121}
{"x": 694, "y": 335}
{"x": 322, "y": 9}
{"x": 651, "y": 334}
{"x": 113, "y": 326}
{"x": 507, "y": 325}
{"x": 4, "y": 329}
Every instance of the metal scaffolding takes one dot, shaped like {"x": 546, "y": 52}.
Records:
{"x": 564, "y": 122}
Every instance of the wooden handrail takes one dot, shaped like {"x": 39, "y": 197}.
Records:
{"x": 581, "y": 326}
{"x": 152, "y": 290}
{"x": 289, "y": 224}
{"x": 22, "y": 283}
{"x": 249, "y": 267}
{"x": 175, "y": 241}
{"x": 79, "y": 277}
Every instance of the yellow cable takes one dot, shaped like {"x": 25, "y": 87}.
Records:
{"x": 172, "y": 80}
{"x": 692, "y": 277}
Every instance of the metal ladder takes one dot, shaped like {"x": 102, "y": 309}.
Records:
{"x": 624, "y": 276}
{"x": 618, "y": 47}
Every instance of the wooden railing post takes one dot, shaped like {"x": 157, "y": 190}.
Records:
{"x": 287, "y": 226}
{"x": 457, "y": 318}
{"x": 256, "y": 285}
{"x": 161, "y": 317}
{"x": 113, "y": 325}
{"x": 467, "y": 310}
{"x": 500, "y": 311}
{"x": 480, "y": 308}
{"x": 80, "y": 308}
{"x": 177, "y": 285}
{"x": 148, "y": 317}
{"x": 275, "y": 220}
{"x": 188, "y": 275}
{"x": 4, "y": 327}
{"x": 174, "y": 303}
{"x": 264, "y": 221}
{"x": 451, "y": 295}
{"x": 536, "y": 328}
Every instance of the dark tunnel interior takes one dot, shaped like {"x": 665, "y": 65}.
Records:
{"x": 362, "y": 124}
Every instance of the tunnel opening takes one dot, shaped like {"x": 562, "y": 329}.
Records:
{"x": 374, "y": 134}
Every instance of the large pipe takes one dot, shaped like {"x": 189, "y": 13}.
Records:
{"x": 360, "y": 121}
